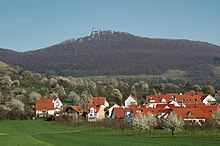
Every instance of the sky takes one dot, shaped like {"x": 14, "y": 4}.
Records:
{"x": 34, "y": 24}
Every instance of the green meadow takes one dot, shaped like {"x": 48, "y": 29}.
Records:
{"x": 44, "y": 133}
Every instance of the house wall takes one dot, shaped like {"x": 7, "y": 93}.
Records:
{"x": 130, "y": 101}
{"x": 101, "y": 113}
{"x": 58, "y": 104}
{"x": 92, "y": 115}
{"x": 106, "y": 104}
{"x": 208, "y": 100}
{"x": 42, "y": 112}
{"x": 111, "y": 109}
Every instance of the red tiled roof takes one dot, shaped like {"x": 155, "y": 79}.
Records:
{"x": 188, "y": 113}
{"x": 45, "y": 104}
{"x": 75, "y": 108}
{"x": 136, "y": 98}
{"x": 145, "y": 111}
{"x": 193, "y": 105}
{"x": 164, "y": 105}
{"x": 119, "y": 112}
{"x": 188, "y": 97}
{"x": 96, "y": 107}
{"x": 98, "y": 100}
{"x": 194, "y": 93}
{"x": 209, "y": 109}
{"x": 158, "y": 97}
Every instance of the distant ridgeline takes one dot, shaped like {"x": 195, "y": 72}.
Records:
{"x": 120, "y": 53}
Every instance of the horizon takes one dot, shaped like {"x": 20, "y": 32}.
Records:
{"x": 31, "y": 25}
{"x": 60, "y": 42}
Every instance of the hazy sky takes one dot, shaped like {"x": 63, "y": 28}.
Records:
{"x": 33, "y": 24}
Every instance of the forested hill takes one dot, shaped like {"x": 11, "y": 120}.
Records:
{"x": 118, "y": 53}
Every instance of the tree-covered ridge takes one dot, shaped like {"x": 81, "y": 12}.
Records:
{"x": 19, "y": 89}
{"x": 118, "y": 53}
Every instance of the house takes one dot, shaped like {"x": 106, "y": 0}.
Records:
{"x": 173, "y": 98}
{"x": 160, "y": 98}
{"x": 75, "y": 112}
{"x": 48, "y": 106}
{"x": 208, "y": 99}
{"x": 217, "y": 96}
{"x": 196, "y": 115}
{"x": 111, "y": 109}
{"x": 130, "y": 101}
{"x": 96, "y": 113}
{"x": 209, "y": 109}
{"x": 100, "y": 101}
{"x": 119, "y": 112}
{"x": 135, "y": 112}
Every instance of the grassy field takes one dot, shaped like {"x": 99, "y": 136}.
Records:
{"x": 44, "y": 133}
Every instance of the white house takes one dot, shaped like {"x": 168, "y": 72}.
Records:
{"x": 96, "y": 113}
{"x": 48, "y": 106}
{"x": 209, "y": 99}
{"x": 100, "y": 101}
{"x": 130, "y": 101}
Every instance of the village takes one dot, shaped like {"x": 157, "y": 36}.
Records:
{"x": 191, "y": 106}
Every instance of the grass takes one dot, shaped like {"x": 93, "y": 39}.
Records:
{"x": 51, "y": 133}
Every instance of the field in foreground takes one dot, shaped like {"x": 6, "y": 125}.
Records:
{"x": 51, "y": 133}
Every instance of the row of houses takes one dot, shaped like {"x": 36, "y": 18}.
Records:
{"x": 193, "y": 106}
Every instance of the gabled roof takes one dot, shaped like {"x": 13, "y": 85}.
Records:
{"x": 165, "y": 105}
{"x": 96, "y": 107}
{"x": 208, "y": 109}
{"x": 188, "y": 97}
{"x": 75, "y": 108}
{"x": 145, "y": 111}
{"x": 135, "y": 98}
{"x": 158, "y": 97}
{"x": 194, "y": 93}
{"x": 191, "y": 113}
{"x": 45, "y": 104}
{"x": 98, "y": 100}
{"x": 119, "y": 112}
